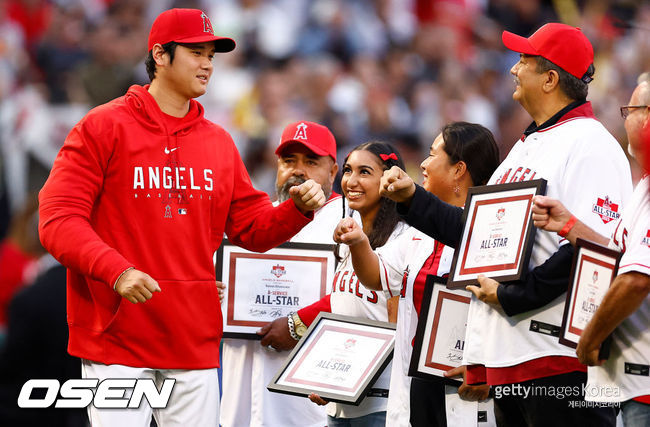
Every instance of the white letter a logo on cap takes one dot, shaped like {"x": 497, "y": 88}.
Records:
{"x": 301, "y": 132}
{"x": 207, "y": 25}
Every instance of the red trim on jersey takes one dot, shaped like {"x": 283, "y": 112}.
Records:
{"x": 309, "y": 313}
{"x": 386, "y": 276}
{"x": 643, "y": 399}
{"x": 475, "y": 374}
{"x": 537, "y": 368}
{"x": 634, "y": 263}
{"x": 430, "y": 266}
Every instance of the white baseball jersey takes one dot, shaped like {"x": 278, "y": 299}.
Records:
{"x": 400, "y": 262}
{"x": 349, "y": 297}
{"x": 248, "y": 367}
{"x": 625, "y": 374}
{"x": 587, "y": 170}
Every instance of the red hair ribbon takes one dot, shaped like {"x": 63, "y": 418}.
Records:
{"x": 385, "y": 157}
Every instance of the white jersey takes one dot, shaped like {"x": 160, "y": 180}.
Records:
{"x": 349, "y": 297}
{"x": 248, "y": 367}
{"x": 400, "y": 262}
{"x": 586, "y": 169}
{"x": 625, "y": 374}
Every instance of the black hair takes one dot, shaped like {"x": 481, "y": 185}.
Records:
{"x": 573, "y": 87}
{"x": 387, "y": 216}
{"x": 150, "y": 64}
{"x": 474, "y": 145}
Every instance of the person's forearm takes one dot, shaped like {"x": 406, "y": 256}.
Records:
{"x": 366, "y": 265}
{"x": 623, "y": 298}
{"x": 583, "y": 231}
{"x": 432, "y": 216}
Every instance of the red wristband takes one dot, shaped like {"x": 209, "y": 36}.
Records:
{"x": 568, "y": 226}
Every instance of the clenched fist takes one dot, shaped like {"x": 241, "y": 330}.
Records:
{"x": 396, "y": 185}
{"x": 136, "y": 286}
{"x": 349, "y": 232}
{"x": 307, "y": 196}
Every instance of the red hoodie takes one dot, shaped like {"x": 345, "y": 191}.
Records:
{"x": 133, "y": 187}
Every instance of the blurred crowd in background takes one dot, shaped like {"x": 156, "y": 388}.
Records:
{"x": 394, "y": 70}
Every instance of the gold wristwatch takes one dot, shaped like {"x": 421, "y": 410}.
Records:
{"x": 299, "y": 327}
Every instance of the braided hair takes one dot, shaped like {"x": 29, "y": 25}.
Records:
{"x": 387, "y": 216}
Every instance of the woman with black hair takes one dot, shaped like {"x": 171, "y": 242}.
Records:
{"x": 462, "y": 156}
{"x": 362, "y": 171}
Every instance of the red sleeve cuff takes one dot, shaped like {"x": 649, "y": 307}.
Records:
{"x": 309, "y": 313}
{"x": 475, "y": 374}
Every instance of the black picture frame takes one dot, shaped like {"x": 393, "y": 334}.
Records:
{"x": 297, "y": 379}
{"x": 432, "y": 326}
{"x": 461, "y": 274}
{"x": 597, "y": 259}
{"x": 238, "y": 325}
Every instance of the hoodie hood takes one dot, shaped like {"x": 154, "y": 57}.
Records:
{"x": 145, "y": 109}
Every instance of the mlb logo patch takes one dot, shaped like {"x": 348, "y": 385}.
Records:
{"x": 606, "y": 210}
{"x": 182, "y": 211}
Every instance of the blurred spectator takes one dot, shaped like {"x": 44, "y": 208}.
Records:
{"x": 36, "y": 347}
{"x": 18, "y": 254}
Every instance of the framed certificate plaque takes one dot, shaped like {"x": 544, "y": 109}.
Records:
{"x": 339, "y": 358}
{"x": 440, "y": 335}
{"x": 260, "y": 287}
{"x": 498, "y": 233}
{"x": 594, "y": 268}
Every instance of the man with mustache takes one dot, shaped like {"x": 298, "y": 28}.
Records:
{"x": 307, "y": 150}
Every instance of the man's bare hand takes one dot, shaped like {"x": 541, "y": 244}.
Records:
{"x": 487, "y": 292}
{"x": 136, "y": 286}
{"x": 397, "y": 185}
{"x": 549, "y": 214}
{"x": 466, "y": 391}
{"x": 317, "y": 399}
{"x": 349, "y": 232}
{"x": 221, "y": 288}
{"x": 307, "y": 196}
{"x": 276, "y": 334}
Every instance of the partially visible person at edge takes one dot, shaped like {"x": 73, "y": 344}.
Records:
{"x": 362, "y": 170}
{"x": 135, "y": 206}
{"x": 625, "y": 309}
{"x": 583, "y": 165}
{"x": 306, "y": 151}
{"x": 462, "y": 155}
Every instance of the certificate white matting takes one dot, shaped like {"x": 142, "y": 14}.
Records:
{"x": 440, "y": 336}
{"x": 339, "y": 358}
{"x": 498, "y": 233}
{"x": 594, "y": 269}
{"x": 260, "y": 287}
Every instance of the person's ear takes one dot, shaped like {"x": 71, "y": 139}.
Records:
{"x": 551, "y": 81}
{"x": 333, "y": 171}
{"x": 158, "y": 54}
{"x": 460, "y": 169}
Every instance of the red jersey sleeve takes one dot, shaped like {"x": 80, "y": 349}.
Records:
{"x": 309, "y": 313}
{"x": 253, "y": 222}
{"x": 66, "y": 202}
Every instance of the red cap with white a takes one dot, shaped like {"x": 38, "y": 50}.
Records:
{"x": 316, "y": 137}
{"x": 186, "y": 26}
{"x": 564, "y": 45}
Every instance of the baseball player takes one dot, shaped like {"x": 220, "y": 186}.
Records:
{"x": 137, "y": 202}
{"x": 625, "y": 310}
{"x": 510, "y": 326}
{"x": 307, "y": 150}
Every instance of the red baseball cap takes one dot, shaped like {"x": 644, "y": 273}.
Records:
{"x": 316, "y": 137}
{"x": 564, "y": 45}
{"x": 186, "y": 26}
